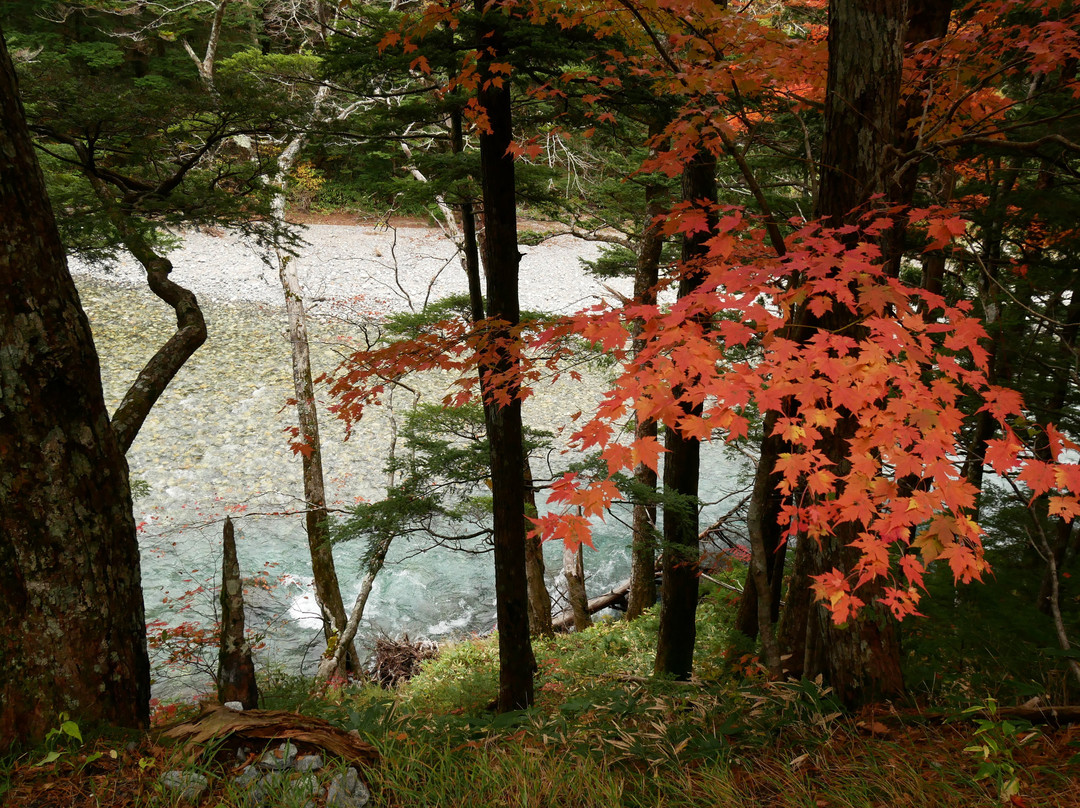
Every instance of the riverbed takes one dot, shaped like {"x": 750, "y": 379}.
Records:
{"x": 216, "y": 442}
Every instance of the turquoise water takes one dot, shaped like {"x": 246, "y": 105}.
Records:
{"x": 215, "y": 445}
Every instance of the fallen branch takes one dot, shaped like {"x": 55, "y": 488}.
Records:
{"x": 221, "y": 722}
{"x": 565, "y": 620}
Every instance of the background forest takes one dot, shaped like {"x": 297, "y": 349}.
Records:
{"x": 849, "y": 231}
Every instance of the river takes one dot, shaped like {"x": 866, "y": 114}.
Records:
{"x": 215, "y": 444}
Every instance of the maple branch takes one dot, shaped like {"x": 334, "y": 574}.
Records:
{"x": 775, "y": 236}
{"x": 1014, "y": 145}
{"x": 652, "y": 36}
{"x": 771, "y": 225}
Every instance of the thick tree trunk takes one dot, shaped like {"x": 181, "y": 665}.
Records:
{"x": 646, "y": 276}
{"x": 236, "y": 669}
{"x": 679, "y": 594}
{"x": 860, "y": 660}
{"x": 499, "y": 380}
{"x": 72, "y": 630}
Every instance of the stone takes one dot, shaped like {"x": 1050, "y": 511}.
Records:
{"x": 248, "y": 776}
{"x": 347, "y": 791}
{"x": 191, "y": 785}
{"x": 278, "y": 789}
{"x": 234, "y": 705}
{"x": 309, "y": 763}
{"x": 280, "y": 759}
{"x": 267, "y": 790}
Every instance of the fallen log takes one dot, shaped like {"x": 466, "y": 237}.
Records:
{"x": 1058, "y": 716}
{"x": 565, "y": 620}
{"x": 265, "y": 725}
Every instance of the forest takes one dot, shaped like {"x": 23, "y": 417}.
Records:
{"x": 834, "y": 245}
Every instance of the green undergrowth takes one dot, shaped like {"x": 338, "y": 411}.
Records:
{"x": 605, "y": 732}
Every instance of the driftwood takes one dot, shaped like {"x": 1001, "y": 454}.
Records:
{"x": 265, "y": 725}
{"x": 565, "y": 621}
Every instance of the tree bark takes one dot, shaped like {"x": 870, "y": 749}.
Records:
{"x": 860, "y": 660}
{"x": 535, "y": 574}
{"x": 574, "y": 573}
{"x": 72, "y": 628}
{"x": 499, "y": 381}
{"x": 679, "y": 593}
{"x": 327, "y": 589}
{"x": 643, "y": 549}
{"x": 236, "y": 669}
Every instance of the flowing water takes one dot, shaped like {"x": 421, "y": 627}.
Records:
{"x": 215, "y": 444}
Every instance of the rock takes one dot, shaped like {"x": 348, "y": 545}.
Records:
{"x": 268, "y": 789}
{"x": 234, "y": 705}
{"x": 309, "y": 763}
{"x": 191, "y": 785}
{"x": 279, "y": 759}
{"x": 347, "y": 791}
{"x": 283, "y": 789}
{"x": 248, "y": 776}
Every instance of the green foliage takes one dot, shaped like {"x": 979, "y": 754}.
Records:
{"x": 60, "y": 735}
{"x": 442, "y": 469}
{"x": 989, "y": 639}
{"x": 995, "y": 741}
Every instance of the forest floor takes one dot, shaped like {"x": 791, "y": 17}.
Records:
{"x": 601, "y": 736}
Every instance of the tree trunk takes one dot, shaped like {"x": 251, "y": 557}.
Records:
{"x": 236, "y": 669}
{"x": 860, "y": 660}
{"x": 539, "y": 597}
{"x": 323, "y": 571}
{"x": 190, "y": 324}
{"x": 72, "y": 629}
{"x": 759, "y": 606}
{"x": 574, "y": 573}
{"x": 327, "y": 589}
{"x": 334, "y": 665}
{"x": 646, "y": 276}
{"x": 679, "y": 594}
{"x": 499, "y": 381}
{"x": 470, "y": 253}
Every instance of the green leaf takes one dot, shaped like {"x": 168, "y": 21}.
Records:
{"x": 49, "y": 758}
{"x": 71, "y": 729}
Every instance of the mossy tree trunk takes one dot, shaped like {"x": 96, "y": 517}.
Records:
{"x": 72, "y": 628}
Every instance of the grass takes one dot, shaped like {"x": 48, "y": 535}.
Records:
{"x": 603, "y": 733}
